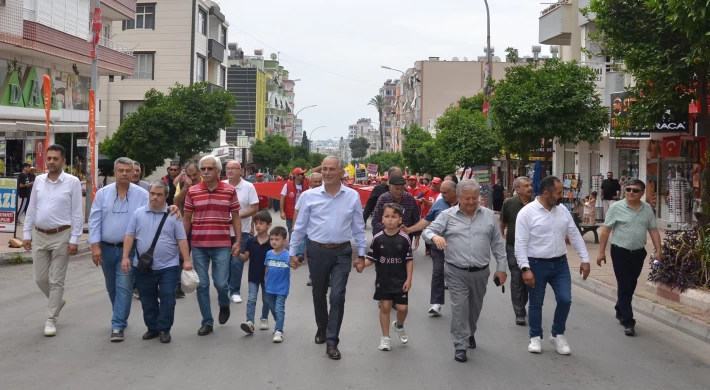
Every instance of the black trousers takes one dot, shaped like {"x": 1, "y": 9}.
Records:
{"x": 627, "y": 268}
{"x": 437, "y": 277}
{"x": 518, "y": 289}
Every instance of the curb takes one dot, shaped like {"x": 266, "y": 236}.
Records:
{"x": 6, "y": 257}
{"x": 688, "y": 325}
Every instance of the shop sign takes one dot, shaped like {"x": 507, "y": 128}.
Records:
{"x": 29, "y": 147}
{"x": 627, "y": 144}
{"x": 672, "y": 122}
{"x": 599, "y": 74}
{"x": 2, "y": 149}
{"x": 82, "y": 142}
{"x": 22, "y": 90}
{"x": 8, "y": 204}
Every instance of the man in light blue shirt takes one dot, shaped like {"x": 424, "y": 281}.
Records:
{"x": 110, "y": 214}
{"x": 160, "y": 281}
{"x": 330, "y": 215}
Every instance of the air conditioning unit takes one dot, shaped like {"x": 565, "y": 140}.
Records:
{"x": 242, "y": 132}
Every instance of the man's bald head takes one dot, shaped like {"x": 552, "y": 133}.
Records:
{"x": 234, "y": 164}
{"x": 332, "y": 170}
{"x": 316, "y": 179}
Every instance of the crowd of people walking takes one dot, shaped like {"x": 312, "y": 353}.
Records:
{"x": 143, "y": 235}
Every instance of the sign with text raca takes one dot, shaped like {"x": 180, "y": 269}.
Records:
{"x": 24, "y": 92}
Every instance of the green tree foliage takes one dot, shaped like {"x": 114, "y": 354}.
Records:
{"x": 379, "y": 103}
{"x": 473, "y": 103}
{"x": 466, "y": 138}
{"x": 422, "y": 154}
{"x": 511, "y": 55}
{"x": 556, "y": 100}
{"x": 386, "y": 160}
{"x": 305, "y": 142}
{"x": 664, "y": 45}
{"x": 359, "y": 146}
{"x": 181, "y": 123}
{"x": 272, "y": 152}
{"x": 317, "y": 159}
{"x": 301, "y": 151}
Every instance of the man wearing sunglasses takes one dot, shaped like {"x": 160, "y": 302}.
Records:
{"x": 173, "y": 172}
{"x": 209, "y": 206}
{"x": 629, "y": 219}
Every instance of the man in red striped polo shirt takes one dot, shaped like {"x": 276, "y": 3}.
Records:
{"x": 209, "y": 206}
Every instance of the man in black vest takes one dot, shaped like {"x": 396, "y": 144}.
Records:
{"x": 173, "y": 172}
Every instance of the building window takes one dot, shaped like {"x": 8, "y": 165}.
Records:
{"x": 202, "y": 21}
{"x": 200, "y": 68}
{"x": 145, "y": 18}
{"x": 145, "y": 65}
{"x": 128, "y": 107}
{"x": 224, "y": 37}
{"x": 223, "y": 77}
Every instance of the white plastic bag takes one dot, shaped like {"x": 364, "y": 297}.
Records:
{"x": 189, "y": 280}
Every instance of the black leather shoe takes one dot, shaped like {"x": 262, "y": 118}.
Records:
{"x": 204, "y": 330}
{"x": 320, "y": 336}
{"x": 165, "y": 337}
{"x": 333, "y": 352}
{"x": 460, "y": 356}
{"x": 116, "y": 336}
{"x": 179, "y": 293}
{"x": 223, "y": 315}
{"x": 520, "y": 321}
{"x": 150, "y": 335}
{"x": 472, "y": 342}
{"x": 630, "y": 331}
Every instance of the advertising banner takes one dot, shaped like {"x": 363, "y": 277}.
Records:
{"x": 8, "y": 204}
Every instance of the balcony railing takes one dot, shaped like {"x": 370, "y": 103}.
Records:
{"x": 113, "y": 45}
{"x": 215, "y": 50}
{"x": 213, "y": 87}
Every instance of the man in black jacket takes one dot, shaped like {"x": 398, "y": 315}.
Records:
{"x": 377, "y": 191}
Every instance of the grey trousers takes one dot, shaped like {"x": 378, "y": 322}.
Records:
{"x": 466, "y": 292}
{"x": 437, "y": 277}
{"x": 334, "y": 266}
{"x": 518, "y": 290}
{"x": 50, "y": 258}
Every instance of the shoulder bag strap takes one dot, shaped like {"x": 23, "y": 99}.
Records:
{"x": 157, "y": 233}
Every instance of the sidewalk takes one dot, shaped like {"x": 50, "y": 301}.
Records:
{"x": 602, "y": 281}
{"x": 8, "y": 255}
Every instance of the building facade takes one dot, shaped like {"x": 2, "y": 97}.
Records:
{"x": 49, "y": 37}
{"x": 389, "y": 94}
{"x": 175, "y": 41}
{"x": 280, "y": 99}
{"x": 246, "y": 80}
{"x": 364, "y": 129}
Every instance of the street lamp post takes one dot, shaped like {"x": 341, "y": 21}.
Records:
{"x": 296, "y": 116}
{"x": 310, "y": 137}
{"x": 388, "y": 68}
{"x": 489, "y": 58}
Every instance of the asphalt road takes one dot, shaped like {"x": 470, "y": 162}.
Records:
{"x": 81, "y": 356}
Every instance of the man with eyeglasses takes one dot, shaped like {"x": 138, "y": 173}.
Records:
{"x": 169, "y": 179}
{"x": 110, "y": 214}
{"x": 191, "y": 177}
{"x": 209, "y": 206}
{"x": 246, "y": 193}
{"x": 629, "y": 219}
{"x": 52, "y": 229}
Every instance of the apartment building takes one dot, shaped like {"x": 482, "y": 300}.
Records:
{"x": 246, "y": 80}
{"x": 634, "y": 154}
{"x": 364, "y": 128}
{"x": 50, "y": 37}
{"x": 280, "y": 99}
{"x": 173, "y": 41}
{"x": 389, "y": 93}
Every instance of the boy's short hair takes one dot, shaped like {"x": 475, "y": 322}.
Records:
{"x": 279, "y": 231}
{"x": 263, "y": 216}
{"x": 394, "y": 207}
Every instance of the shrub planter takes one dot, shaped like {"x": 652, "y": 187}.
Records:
{"x": 699, "y": 299}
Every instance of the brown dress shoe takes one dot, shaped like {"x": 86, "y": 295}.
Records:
{"x": 320, "y": 336}
{"x": 333, "y": 353}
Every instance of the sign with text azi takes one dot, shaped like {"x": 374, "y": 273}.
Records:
{"x": 8, "y": 204}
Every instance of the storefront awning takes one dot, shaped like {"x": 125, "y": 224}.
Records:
{"x": 39, "y": 126}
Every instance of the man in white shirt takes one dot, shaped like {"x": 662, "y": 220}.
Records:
{"x": 540, "y": 250}
{"x": 53, "y": 226}
{"x": 249, "y": 199}
{"x": 316, "y": 180}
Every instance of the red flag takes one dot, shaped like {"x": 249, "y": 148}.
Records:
{"x": 47, "y": 91}
{"x": 92, "y": 142}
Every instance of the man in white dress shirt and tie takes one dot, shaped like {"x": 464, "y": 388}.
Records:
{"x": 540, "y": 250}
{"x": 330, "y": 215}
{"x": 53, "y": 226}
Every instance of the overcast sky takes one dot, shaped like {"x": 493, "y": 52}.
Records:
{"x": 336, "y": 48}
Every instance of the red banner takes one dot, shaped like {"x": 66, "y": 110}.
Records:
{"x": 40, "y": 149}
{"x": 273, "y": 190}
{"x": 96, "y": 29}
{"x": 92, "y": 143}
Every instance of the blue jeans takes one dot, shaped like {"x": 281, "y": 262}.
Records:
{"x": 289, "y": 226}
{"x": 118, "y": 284}
{"x": 557, "y": 274}
{"x": 236, "y": 268}
{"x": 157, "y": 292}
{"x": 220, "y": 258}
{"x": 277, "y": 304}
{"x": 251, "y": 302}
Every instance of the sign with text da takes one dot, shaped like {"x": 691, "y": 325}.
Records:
{"x": 8, "y": 204}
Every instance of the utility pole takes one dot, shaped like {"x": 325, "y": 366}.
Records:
{"x": 489, "y": 55}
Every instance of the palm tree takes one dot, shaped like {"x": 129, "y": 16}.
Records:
{"x": 512, "y": 55}
{"x": 379, "y": 103}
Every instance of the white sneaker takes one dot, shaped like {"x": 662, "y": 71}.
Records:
{"x": 385, "y": 344}
{"x": 247, "y": 327}
{"x": 435, "y": 310}
{"x": 264, "y": 325}
{"x": 278, "y": 337}
{"x": 560, "y": 342}
{"x": 401, "y": 333}
{"x": 50, "y": 329}
{"x": 236, "y": 298}
{"x": 535, "y": 345}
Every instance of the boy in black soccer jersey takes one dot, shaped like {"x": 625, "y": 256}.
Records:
{"x": 391, "y": 252}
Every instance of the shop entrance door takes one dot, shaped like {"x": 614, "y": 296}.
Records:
{"x": 14, "y": 157}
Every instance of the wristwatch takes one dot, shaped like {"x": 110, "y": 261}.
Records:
{"x": 361, "y": 257}
{"x": 525, "y": 269}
